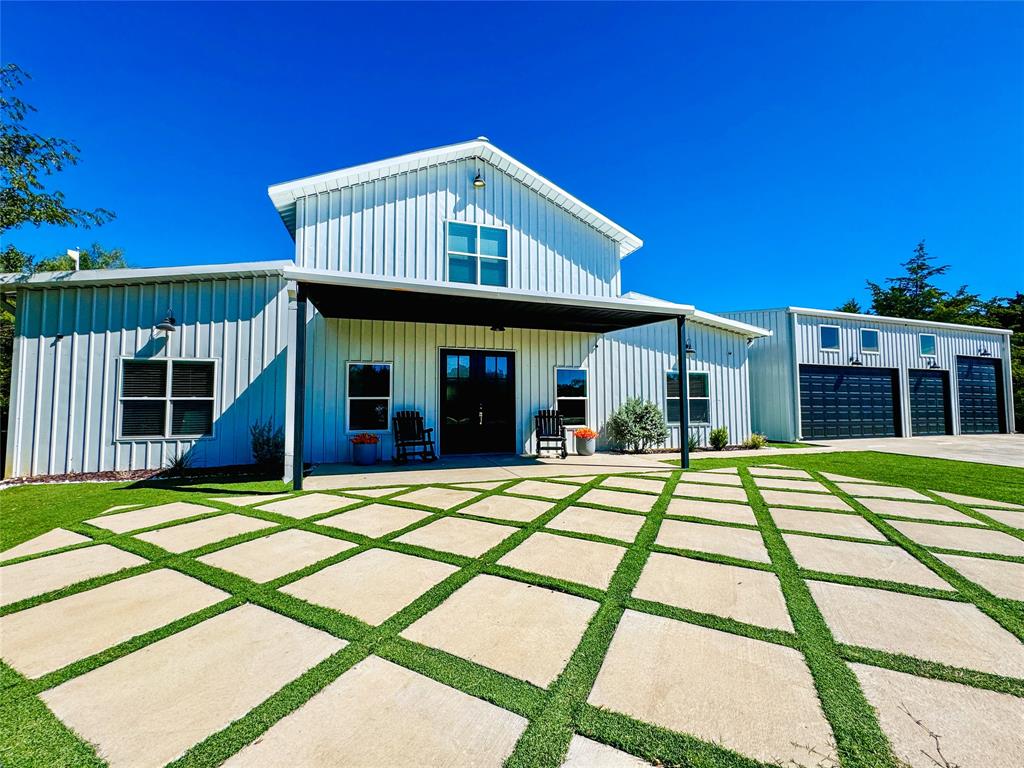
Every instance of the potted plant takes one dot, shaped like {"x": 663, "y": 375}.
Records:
{"x": 364, "y": 449}
{"x": 586, "y": 441}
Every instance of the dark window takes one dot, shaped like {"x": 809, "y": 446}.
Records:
{"x": 571, "y": 395}
{"x": 699, "y": 397}
{"x": 369, "y": 397}
{"x": 143, "y": 418}
{"x": 144, "y": 378}
{"x": 829, "y": 336}
{"x": 145, "y": 398}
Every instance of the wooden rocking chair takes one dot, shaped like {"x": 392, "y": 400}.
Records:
{"x": 550, "y": 431}
{"x": 412, "y": 438}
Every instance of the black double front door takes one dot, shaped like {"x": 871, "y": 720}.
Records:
{"x": 478, "y": 406}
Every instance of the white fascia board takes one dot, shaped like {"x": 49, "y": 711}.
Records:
{"x": 728, "y": 324}
{"x": 285, "y": 194}
{"x": 91, "y": 277}
{"x": 325, "y": 277}
{"x": 831, "y": 313}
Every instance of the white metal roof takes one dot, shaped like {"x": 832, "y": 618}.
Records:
{"x": 707, "y": 318}
{"x": 285, "y": 194}
{"x": 90, "y": 277}
{"x": 831, "y": 313}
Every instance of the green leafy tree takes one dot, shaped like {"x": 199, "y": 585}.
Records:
{"x": 850, "y": 305}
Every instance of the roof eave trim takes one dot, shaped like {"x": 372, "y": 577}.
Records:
{"x": 831, "y": 313}
{"x": 91, "y": 277}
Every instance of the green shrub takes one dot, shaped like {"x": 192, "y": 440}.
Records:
{"x": 755, "y": 442}
{"x": 178, "y": 464}
{"x": 267, "y": 444}
{"x": 719, "y": 438}
{"x": 637, "y": 425}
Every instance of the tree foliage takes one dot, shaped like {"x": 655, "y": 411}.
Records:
{"x": 850, "y": 305}
{"x": 26, "y": 160}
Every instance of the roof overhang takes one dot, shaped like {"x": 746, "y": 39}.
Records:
{"x": 97, "y": 277}
{"x": 358, "y": 297}
{"x": 831, "y": 313}
{"x": 285, "y": 195}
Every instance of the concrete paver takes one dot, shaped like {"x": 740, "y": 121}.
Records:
{"x": 710, "y": 478}
{"x": 483, "y": 486}
{"x": 734, "y": 542}
{"x": 584, "y": 562}
{"x": 524, "y": 631}
{"x": 373, "y": 585}
{"x": 276, "y": 555}
{"x": 997, "y": 576}
{"x": 251, "y": 500}
{"x": 961, "y": 537}
{"x": 785, "y": 484}
{"x": 638, "y": 502}
{"x": 439, "y": 498}
{"x": 375, "y": 493}
{"x": 50, "y": 540}
{"x": 977, "y": 501}
{"x": 45, "y": 574}
{"x": 797, "y": 499}
{"x": 951, "y": 633}
{"x": 847, "y": 479}
{"x": 1008, "y": 517}
{"x": 635, "y": 483}
{"x": 381, "y": 714}
{"x": 754, "y": 697}
{"x": 723, "y": 511}
{"x": 825, "y": 522}
{"x": 882, "y": 491}
{"x": 868, "y": 561}
{"x": 546, "y": 490}
{"x": 771, "y": 471}
{"x": 744, "y": 594}
{"x": 717, "y": 492}
{"x": 598, "y": 522}
{"x": 585, "y": 753}
{"x": 182, "y": 538}
{"x": 308, "y": 505}
{"x": 916, "y": 509}
{"x": 463, "y": 537}
{"x": 52, "y": 635}
{"x": 375, "y": 520}
{"x": 185, "y": 687}
{"x": 508, "y": 508}
{"x": 122, "y": 522}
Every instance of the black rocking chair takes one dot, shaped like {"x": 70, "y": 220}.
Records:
{"x": 412, "y": 438}
{"x": 551, "y": 431}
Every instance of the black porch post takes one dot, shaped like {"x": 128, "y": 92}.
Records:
{"x": 298, "y": 437}
{"x": 684, "y": 396}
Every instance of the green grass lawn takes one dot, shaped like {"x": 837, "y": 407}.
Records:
{"x": 31, "y": 736}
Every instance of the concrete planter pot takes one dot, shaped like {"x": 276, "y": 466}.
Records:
{"x": 364, "y": 454}
{"x": 585, "y": 446}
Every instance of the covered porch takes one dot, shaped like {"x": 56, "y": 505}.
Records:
{"x": 347, "y": 298}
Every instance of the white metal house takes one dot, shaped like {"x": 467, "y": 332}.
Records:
{"x": 454, "y": 281}
{"x": 825, "y": 374}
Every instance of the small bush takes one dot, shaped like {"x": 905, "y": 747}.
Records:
{"x": 637, "y": 425}
{"x": 719, "y": 438}
{"x": 267, "y": 444}
{"x": 693, "y": 441}
{"x": 755, "y": 442}
{"x": 178, "y": 464}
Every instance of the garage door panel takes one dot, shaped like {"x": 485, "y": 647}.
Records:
{"x": 929, "y": 402}
{"x": 979, "y": 383}
{"x": 848, "y": 401}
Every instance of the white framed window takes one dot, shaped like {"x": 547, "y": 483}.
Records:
{"x": 698, "y": 396}
{"x": 167, "y": 399}
{"x": 368, "y": 397}
{"x": 477, "y": 254}
{"x": 571, "y": 395}
{"x": 869, "y": 341}
{"x": 828, "y": 337}
{"x": 926, "y": 343}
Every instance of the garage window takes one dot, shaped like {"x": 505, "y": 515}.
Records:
{"x": 828, "y": 336}
{"x": 869, "y": 341}
{"x": 926, "y": 341}
{"x": 167, "y": 398}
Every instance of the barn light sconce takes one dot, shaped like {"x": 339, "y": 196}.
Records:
{"x": 984, "y": 353}
{"x": 690, "y": 351}
{"x": 855, "y": 361}
{"x": 933, "y": 365}
{"x": 168, "y": 324}
{"x": 498, "y": 328}
{"x": 478, "y": 182}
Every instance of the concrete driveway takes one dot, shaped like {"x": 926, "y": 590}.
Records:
{"x": 1007, "y": 450}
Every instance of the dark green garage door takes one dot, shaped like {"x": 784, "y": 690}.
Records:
{"x": 929, "y": 403}
{"x": 848, "y": 401}
{"x": 979, "y": 383}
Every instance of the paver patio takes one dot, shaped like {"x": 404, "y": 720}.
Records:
{"x": 712, "y": 478}
{"x": 1008, "y": 517}
{"x": 961, "y": 537}
{"x": 737, "y": 593}
{"x": 585, "y": 753}
{"x": 754, "y": 697}
{"x": 638, "y": 502}
{"x": 50, "y": 540}
{"x": 276, "y": 555}
{"x": 181, "y": 689}
{"x": 507, "y": 508}
{"x": 584, "y": 562}
{"x": 797, "y": 499}
{"x": 598, "y": 522}
{"x": 372, "y": 585}
{"x": 997, "y": 576}
{"x": 977, "y": 728}
{"x": 786, "y": 484}
{"x": 868, "y": 561}
{"x": 308, "y": 505}
{"x": 882, "y": 491}
{"x": 380, "y": 714}
{"x": 779, "y": 472}
{"x": 952, "y": 633}
{"x": 971, "y": 501}
{"x": 524, "y": 631}
{"x": 720, "y": 492}
{"x": 440, "y": 498}
{"x": 49, "y": 636}
{"x": 546, "y": 490}
{"x": 122, "y": 522}
{"x": 463, "y": 537}
{"x": 734, "y": 542}
{"x": 182, "y": 538}
{"x": 375, "y": 493}
{"x": 723, "y": 511}
{"x": 45, "y": 574}
{"x": 635, "y": 483}
{"x": 375, "y": 520}
{"x": 833, "y": 523}
{"x": 251, "y": 500}
{"x": 915, "y": 509}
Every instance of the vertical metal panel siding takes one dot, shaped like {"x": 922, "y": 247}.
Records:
{"x": 65, "y": 406}
{"x": 772, "y": 403}
{"x": 898, "y": 348}
{"x": 625, "y": 364}
{"x": 395, "y": 227}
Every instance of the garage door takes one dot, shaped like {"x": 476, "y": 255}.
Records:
{"x": 848, "y": 401}
{"x": 979, "y": 383}
{"x": 929, "y": 403}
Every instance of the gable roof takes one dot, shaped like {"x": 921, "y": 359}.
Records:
{"x": 285, "y": 194}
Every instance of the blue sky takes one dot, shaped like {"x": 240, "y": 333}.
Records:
{"x": 767, "y": 154}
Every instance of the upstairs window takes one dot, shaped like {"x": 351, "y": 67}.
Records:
{"x": 698, "y": 396}
{"x": 571, "y": 395}
{"x": 369, "y": 397}
{"x": 167, "y": 398}
{"x": 926, "y": 341}
{"x": 828, "y": 336}
{"x": 868, "y": 340}
{"x": 477, "y": 254}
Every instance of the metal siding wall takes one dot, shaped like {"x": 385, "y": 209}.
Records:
{"x": 625, "y": 364}
{"x": 898, "y": 348}
{"x": 395, "y": 227}
{"x": 64, "y": 415}
{"x": 772, "y": 403}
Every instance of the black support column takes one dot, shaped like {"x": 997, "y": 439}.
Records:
{"x": 298, "y": 436}
{"x": 684, "y": 395}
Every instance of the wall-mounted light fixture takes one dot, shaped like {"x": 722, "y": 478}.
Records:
{"x": 498, "y": 328}
{"x": 933, "y": 365}
{"x": 478, "y": 182}
{"x": 984, "y": 353}
{"x": 690, "y": 351}
{"x": 855, "y": 361}
{"x": 168, "y": 324}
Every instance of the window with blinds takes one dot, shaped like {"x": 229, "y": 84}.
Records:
{"x": 167, "y": 398}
